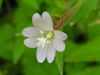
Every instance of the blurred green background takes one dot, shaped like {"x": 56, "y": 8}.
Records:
{"x": 82, "y": 53}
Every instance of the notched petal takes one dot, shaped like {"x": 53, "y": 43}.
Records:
{"x": 59, "y": 45}
{"x": 41, "y": 54}
{"x": 30, "y": 42}
{"x": 37, "y": 20}
{"x": 47, "y": 20}
{"x": 30, "y": 32}
{"x": 51, "y": 54}
{"x": 60, "y": 35}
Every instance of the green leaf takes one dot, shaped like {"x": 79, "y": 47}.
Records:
{"x": 53, "y": 7}
{"x": 73, "y": 67}
{"x": 32, "y": 67}
{"x": 82, "y": 68}
{"x": 6, "y": 41}
{"x": 33, "y": 3}
{"x": 1, "y": 1}
{"x": 70, "y": 48}
{"x": 21, "y": 22}
{"x": 1, "y": 73}
{"x": 84, "y": 8}
{"x": 19, "y": 49}
{"x": 59, "y": 62}
{"x": 88, "y": 71}
{"x": 86, "y": 52}
{"x": 94, "y": 31}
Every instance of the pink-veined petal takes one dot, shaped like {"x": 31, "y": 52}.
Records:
{"x": 51, "y": 54}
{"x": 30, "y": 31}
{"x": 59, "y": 45}
{"x": 41, "y": 53}
{"x": 60, "y": 35}
{"x": 37, "y": 21}
{"x": 30, "y": 42}
{"x": 47, "y": 21}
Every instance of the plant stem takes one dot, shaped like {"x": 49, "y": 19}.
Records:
{"x": 62, "y": 20}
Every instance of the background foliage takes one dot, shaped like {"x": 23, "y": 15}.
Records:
{"x": 82, "y": 53}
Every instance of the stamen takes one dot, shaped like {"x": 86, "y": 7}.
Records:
{"x": 46, "y": 37}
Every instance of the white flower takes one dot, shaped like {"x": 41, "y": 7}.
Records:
{"x": 44, "y": 37}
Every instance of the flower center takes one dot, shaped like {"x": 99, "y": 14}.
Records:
{"x": 45, "y": 37}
